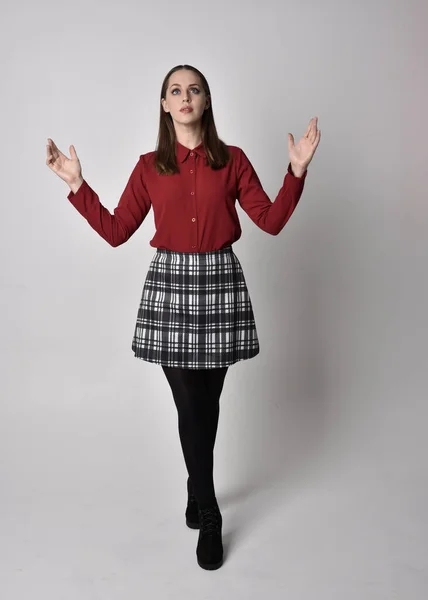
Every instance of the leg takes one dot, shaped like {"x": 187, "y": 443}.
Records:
{"x": 214, "y": 381}
{"x": 198, "y": 412}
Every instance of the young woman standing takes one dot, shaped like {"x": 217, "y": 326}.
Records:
{"x": 195, "y": 316}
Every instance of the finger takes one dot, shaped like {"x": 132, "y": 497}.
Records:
{"x": 48, "y": 153}
{"x": 311, "y": 126}
{"x": 314, "y": 130}
{"x": 317, "y": 141}
{"x": 56, "y": 151}
{"x": 53, "y": 153}
{"x": 51, "y": 147}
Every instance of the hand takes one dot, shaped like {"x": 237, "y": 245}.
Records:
{"x": 301, "y": 154}
{"x": 68, "y": 169}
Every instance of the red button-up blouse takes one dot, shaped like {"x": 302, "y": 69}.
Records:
{"x": 194, "y": 210}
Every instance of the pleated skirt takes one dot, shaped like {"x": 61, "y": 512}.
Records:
{"x": 195, "y": 311}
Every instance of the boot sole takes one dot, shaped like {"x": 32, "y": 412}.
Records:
{"x": 210, "y": 566}
{"x": 192, "y": 524}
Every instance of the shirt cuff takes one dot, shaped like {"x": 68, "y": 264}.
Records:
{"x": 71, "y": 196}
{"x": 290, "y": 170}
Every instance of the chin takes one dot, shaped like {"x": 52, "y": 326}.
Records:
{"x": 189, "y": 116}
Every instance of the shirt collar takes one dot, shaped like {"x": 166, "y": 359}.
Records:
{"x": 183, "y": 152}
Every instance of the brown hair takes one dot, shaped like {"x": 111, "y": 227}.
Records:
{"x": 216, "y": 150}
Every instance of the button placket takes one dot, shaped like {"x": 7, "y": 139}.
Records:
{"x": 194, "y": 235}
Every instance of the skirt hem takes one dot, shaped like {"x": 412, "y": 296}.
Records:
{"x": 198, "y": 365}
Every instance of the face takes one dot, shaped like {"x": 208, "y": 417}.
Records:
{"x": 185, "y": 90}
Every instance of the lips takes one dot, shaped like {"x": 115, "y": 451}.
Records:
{"x": 187, "y": 109}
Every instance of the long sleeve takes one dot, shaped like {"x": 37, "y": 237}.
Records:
{"x": 132, "y": 209}
{"x": 271, "y": 217}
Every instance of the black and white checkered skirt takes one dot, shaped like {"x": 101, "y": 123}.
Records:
{"x": 195, "y": 311}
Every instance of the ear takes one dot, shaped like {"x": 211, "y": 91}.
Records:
{"x": 165, "y": 105}
{"x": 208, "y": 102}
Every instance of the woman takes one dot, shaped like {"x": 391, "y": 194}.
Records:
{"x": 195, "y": 316}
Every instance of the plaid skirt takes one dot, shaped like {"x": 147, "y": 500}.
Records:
{"x": 195, "y": 311}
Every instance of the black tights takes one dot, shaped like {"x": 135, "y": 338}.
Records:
{"x": 196, "y": 395}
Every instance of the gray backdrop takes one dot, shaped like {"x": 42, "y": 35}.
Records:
{"x": 320, "y": 463}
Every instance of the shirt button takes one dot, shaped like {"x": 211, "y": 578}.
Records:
{"x": 191, "y": 154}
{"x": 193, "y": 193}
{"x": 191, "y": 170}
{"x": 193, "y": 246}
{"x": 193, "y": 219}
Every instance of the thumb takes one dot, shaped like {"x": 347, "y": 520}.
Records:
{"x": 290, "y": 140}
{"x": 72, "y": 152}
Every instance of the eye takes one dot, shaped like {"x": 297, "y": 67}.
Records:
{"x": 177, "y": 90}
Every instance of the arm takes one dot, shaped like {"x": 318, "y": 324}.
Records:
{"x": 271, "y": 217}
{"x": 132, "y": 209}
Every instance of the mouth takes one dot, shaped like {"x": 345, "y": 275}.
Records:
{"x": 187, "y": 109}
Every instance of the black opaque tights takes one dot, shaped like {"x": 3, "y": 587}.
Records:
{"x": 196, "y": 394}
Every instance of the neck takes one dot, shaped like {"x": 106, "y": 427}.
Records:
{"x": 190, "y": 138}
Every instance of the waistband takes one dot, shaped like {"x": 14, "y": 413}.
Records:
{"x": 226, "y": 250}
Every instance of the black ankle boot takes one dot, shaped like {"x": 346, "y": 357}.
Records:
{"x": 192, "y": 516}
{"x": 210, "y": 547}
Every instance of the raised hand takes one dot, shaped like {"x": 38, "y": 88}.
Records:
{"x": 69, "y": 169}
{"x": 301, "y": 153}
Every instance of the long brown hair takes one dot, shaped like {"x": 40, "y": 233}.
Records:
{"x": 216, "y": 150}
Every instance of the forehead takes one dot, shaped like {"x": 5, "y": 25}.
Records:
{"x": 184, "y": 78}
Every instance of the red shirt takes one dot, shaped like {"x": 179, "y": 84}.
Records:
{"x": 194, "y": 210}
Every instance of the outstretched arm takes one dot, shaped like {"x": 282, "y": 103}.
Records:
{"x": 271, "y": 217}
{"x": 133, "y": 207}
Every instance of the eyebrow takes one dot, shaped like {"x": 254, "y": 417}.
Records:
{"x": 189, "y": 84}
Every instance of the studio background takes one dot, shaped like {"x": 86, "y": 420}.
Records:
{"x": 320, "y": 460}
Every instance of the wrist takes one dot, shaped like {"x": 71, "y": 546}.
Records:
{"x": 297, "y": 170}
{"x": 75, "y": 184}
